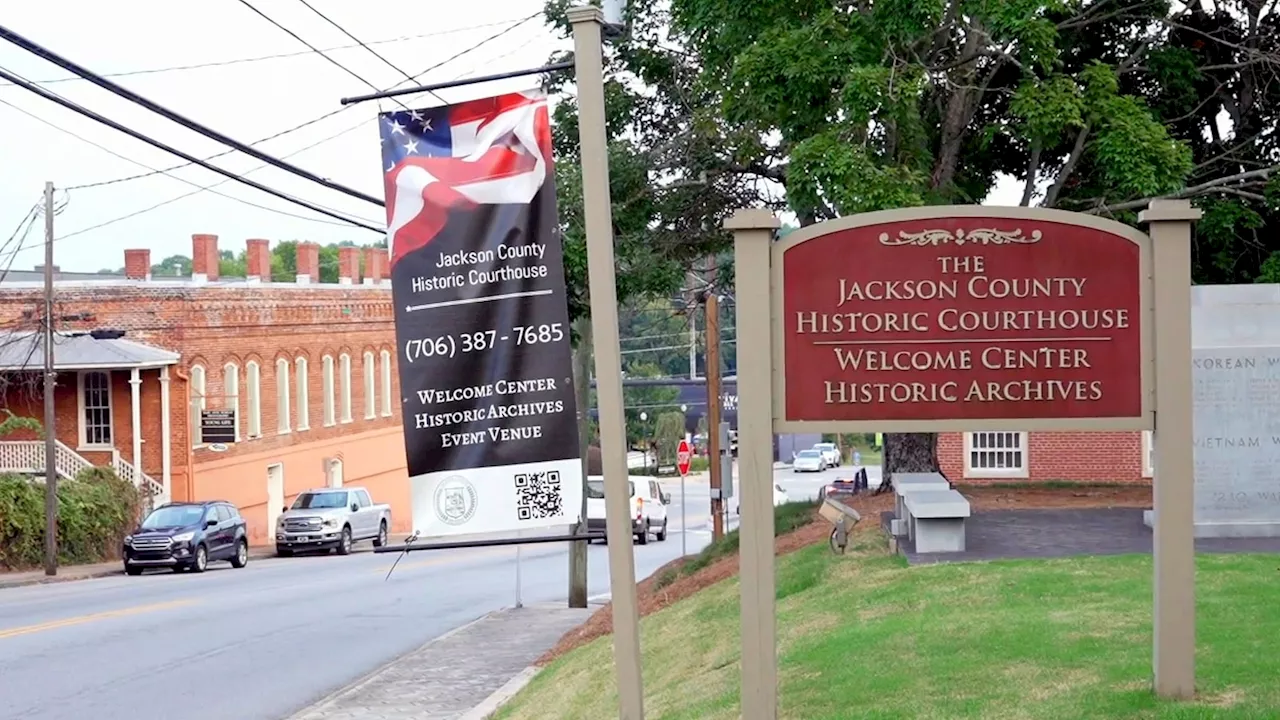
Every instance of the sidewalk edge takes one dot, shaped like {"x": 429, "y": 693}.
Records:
{"x": 492, "y": 704}
{"x": 373, "y": 674}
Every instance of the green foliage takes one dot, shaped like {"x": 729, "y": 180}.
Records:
{"x": 668, "y": 431}
{"x": 1049, "y": 108}
{"x": 650, "y": 400}
{"x": 14, "y": 423}
{"x": 95, "y": 512}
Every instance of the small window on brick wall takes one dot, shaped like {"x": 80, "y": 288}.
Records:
{"x": 386, "y": 383}
{"x": 995, "y": 454}
{"x": 304, "y": 393}
{"x": 370, "y": 388}
{"x": 282, "y": 396}
{"x": 344, "y": 363}
{"x": 231, "y": 394}
{"x": 326, "y": 388}
{"x": 253, "y": 408}
{"x": 197, "y": 403}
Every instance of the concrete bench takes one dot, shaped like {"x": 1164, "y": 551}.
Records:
{"x": 904, "y": 484}
{"x": 936, "y": 520}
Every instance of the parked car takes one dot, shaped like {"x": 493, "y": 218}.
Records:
{"x": 332, "y": 519}
{"x": 809, "y": 461}
{"x": 648, "y": 510}
{"x": 187, "y": 536}
{"x": 780, "y": 497}
{"x": 830, "y": 454}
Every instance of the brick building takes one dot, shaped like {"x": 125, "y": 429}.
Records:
{"x": 308, "y": 367}
{"x": 983, "y": 457}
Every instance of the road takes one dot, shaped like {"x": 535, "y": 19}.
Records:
{"x": 268, "y": 640}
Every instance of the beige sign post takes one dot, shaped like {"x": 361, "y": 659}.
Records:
{"x": 956, "y": 319}
{"x": 597, "y": 212}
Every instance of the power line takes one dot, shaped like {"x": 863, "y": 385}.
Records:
{"x": 186, "y": 195}
{"x": 137, "y": 99}
{"x": 362, "y": 44}
{"x": 262, "y": 58}
{"x": 326, "y": 116}
{"x": 127, "y": 159}
{"x": 53, "y": 97}
{"x": 314, "y": 49}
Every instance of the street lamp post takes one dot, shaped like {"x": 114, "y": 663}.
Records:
{"x": 644, "y": 430}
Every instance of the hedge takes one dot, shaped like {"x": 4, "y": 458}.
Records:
{"x": 95, "y": 512}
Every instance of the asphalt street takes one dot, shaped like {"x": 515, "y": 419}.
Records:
{"x": 267, "y": 640}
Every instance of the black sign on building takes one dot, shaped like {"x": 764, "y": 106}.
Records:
{"x": 218, "y": 426}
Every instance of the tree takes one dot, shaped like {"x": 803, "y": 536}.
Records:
{"x": 668, "y": 432}
{"x": 1097, "y": 105}
{"x": 16, "y": 423}
{"x": 648, "y": 399}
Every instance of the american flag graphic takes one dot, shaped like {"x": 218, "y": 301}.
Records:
{"x": 483, "y": 152}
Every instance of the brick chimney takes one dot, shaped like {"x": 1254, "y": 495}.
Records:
{"x": 257, "y": 260}
{"x": 204, "y": 258}
{"x": 348, "y": 265}
{"x": 308, "y": 263}
{"x": 137, "y": 264}
{"x": 375, "y": 266}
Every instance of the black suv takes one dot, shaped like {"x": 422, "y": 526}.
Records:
{"x": 187, "y": 536}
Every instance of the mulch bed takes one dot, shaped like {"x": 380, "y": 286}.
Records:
{"x": 652, "y": 598}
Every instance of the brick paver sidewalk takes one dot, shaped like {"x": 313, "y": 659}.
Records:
{"x": 452, "y": 674}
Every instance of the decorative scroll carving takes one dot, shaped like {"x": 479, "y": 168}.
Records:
{"x": 980, "y": 236}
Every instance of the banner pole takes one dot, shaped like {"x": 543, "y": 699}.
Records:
{"x": 519, "y": 603}
{"x": 597, "y": 211}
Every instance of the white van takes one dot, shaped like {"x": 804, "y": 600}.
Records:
{"x": 648, "y": 508}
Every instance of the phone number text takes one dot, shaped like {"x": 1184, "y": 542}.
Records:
{"x": 463, "y": 343}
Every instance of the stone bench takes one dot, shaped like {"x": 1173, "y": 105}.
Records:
{"x": 935, "y": 520}
{"x": 904, "y": 484}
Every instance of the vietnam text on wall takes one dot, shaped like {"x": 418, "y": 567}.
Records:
{"x": 481, "y": 316}
{"x": 963, "y": 317}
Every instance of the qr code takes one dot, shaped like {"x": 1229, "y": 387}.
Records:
{"x": 538, "y": 495}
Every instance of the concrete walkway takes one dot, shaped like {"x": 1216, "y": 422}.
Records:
{"x": 455, "y": 675}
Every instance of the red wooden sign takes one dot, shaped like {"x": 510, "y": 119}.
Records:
{"x": 683, "y": 456}
{"x": 962, "y": 318}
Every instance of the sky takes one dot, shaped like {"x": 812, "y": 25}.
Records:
{"x": 243, "y": 98}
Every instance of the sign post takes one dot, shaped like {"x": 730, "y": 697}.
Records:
{"x": 961, "y": 319}
{"x": 684, "y": 456}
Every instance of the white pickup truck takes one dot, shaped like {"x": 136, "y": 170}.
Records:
{"x": 648, "y": 508}
{"x": 332, "y": 518}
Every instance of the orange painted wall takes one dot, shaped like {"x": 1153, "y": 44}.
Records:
{"x": 373, "y": 459}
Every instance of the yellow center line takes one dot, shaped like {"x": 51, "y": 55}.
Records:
{"x": 95, "y": 617}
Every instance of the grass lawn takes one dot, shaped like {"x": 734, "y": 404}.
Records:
{"x": 864, "y": 636}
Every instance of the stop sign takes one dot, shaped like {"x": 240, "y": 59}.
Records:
{"x": 683, "y": 456}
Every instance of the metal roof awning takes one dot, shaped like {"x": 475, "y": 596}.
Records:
{"x": 23, "y": 350}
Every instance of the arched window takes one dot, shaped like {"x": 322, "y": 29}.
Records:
{"x": 344, "y": 361}
{"x": 197, "y": 403}
{"x": 253, "y": 378}
{"x": 370, "y": 388}
{"x": 231, "y": 392}
{"x": 386, "y": 383}
{"x": 282, "y": 396}
{"x": 326, "y": 383}
{"x": 304, "y": 400}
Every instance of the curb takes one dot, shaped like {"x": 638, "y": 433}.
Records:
{"x": 492, "y": 704}
{"x": 373, "y": 674}
{"x": 259, "y": 553}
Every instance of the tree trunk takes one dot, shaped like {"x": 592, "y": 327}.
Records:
{"x": 910, "y": 453}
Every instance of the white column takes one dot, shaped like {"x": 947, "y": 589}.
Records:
{"x": 164, "y": 432}
{"x": 135, "y": 401}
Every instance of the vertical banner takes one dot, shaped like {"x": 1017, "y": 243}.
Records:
{"x": 482, "y": 326}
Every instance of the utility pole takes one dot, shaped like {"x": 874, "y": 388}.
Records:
{"x": 712, "y": 304}
{"x": 693, "y": 332}
{"x": 582, "y": 392}
{"x": 50, "y": 378}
